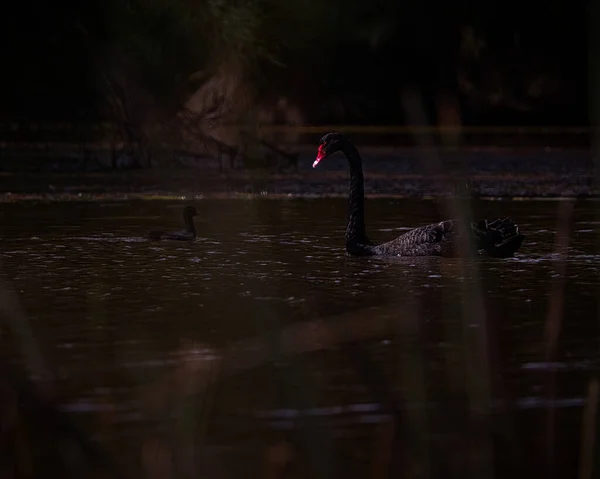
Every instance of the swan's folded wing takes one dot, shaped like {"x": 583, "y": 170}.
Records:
{"x": 425, "y": 240}
{"x": 433, "y": 233}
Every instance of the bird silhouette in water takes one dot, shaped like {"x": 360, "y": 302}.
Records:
{"x": 497, "y": 238}
{"x": 187, "y": 234}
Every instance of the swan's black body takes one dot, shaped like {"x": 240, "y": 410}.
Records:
{"x": 498, "y": 238}
{"x": 188, "y": 234}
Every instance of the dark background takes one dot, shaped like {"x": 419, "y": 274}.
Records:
{"x": 498, "y": 62}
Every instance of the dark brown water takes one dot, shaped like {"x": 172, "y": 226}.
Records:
{"x": 420, "y": 341}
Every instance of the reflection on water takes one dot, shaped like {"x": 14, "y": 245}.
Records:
{"x": 115, "y": 314}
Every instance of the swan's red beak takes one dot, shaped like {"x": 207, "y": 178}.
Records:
{"x": 320, "y": 155}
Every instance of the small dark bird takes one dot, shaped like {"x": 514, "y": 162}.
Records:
{"x": 188, "y": 234}
{"x": 498, "y": 238}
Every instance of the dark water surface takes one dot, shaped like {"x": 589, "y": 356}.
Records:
{"x": 116, "y": 318}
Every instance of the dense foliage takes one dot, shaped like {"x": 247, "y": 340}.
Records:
{"x": 313, "y": 61}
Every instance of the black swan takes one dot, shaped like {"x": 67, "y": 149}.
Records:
{"x": 498, "y": 238}
{"x": 188, "y": 234}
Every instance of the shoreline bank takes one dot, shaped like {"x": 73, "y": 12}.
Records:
{"x": 487, "y": 173}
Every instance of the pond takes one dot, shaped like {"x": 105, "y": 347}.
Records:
{"x": 261, "y": 349}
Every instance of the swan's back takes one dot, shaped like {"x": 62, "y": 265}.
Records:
{"x": 433, "y": 239}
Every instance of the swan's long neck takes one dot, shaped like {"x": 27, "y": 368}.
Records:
{"x": 356, "y": 234}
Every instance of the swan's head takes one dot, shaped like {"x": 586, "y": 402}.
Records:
{"x": 328, "y": 145}
{"x": 189, "y": 212}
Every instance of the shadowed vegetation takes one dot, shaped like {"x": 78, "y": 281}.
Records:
{"x": 206, "y": 75}
{"x": 300, "y": 61}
